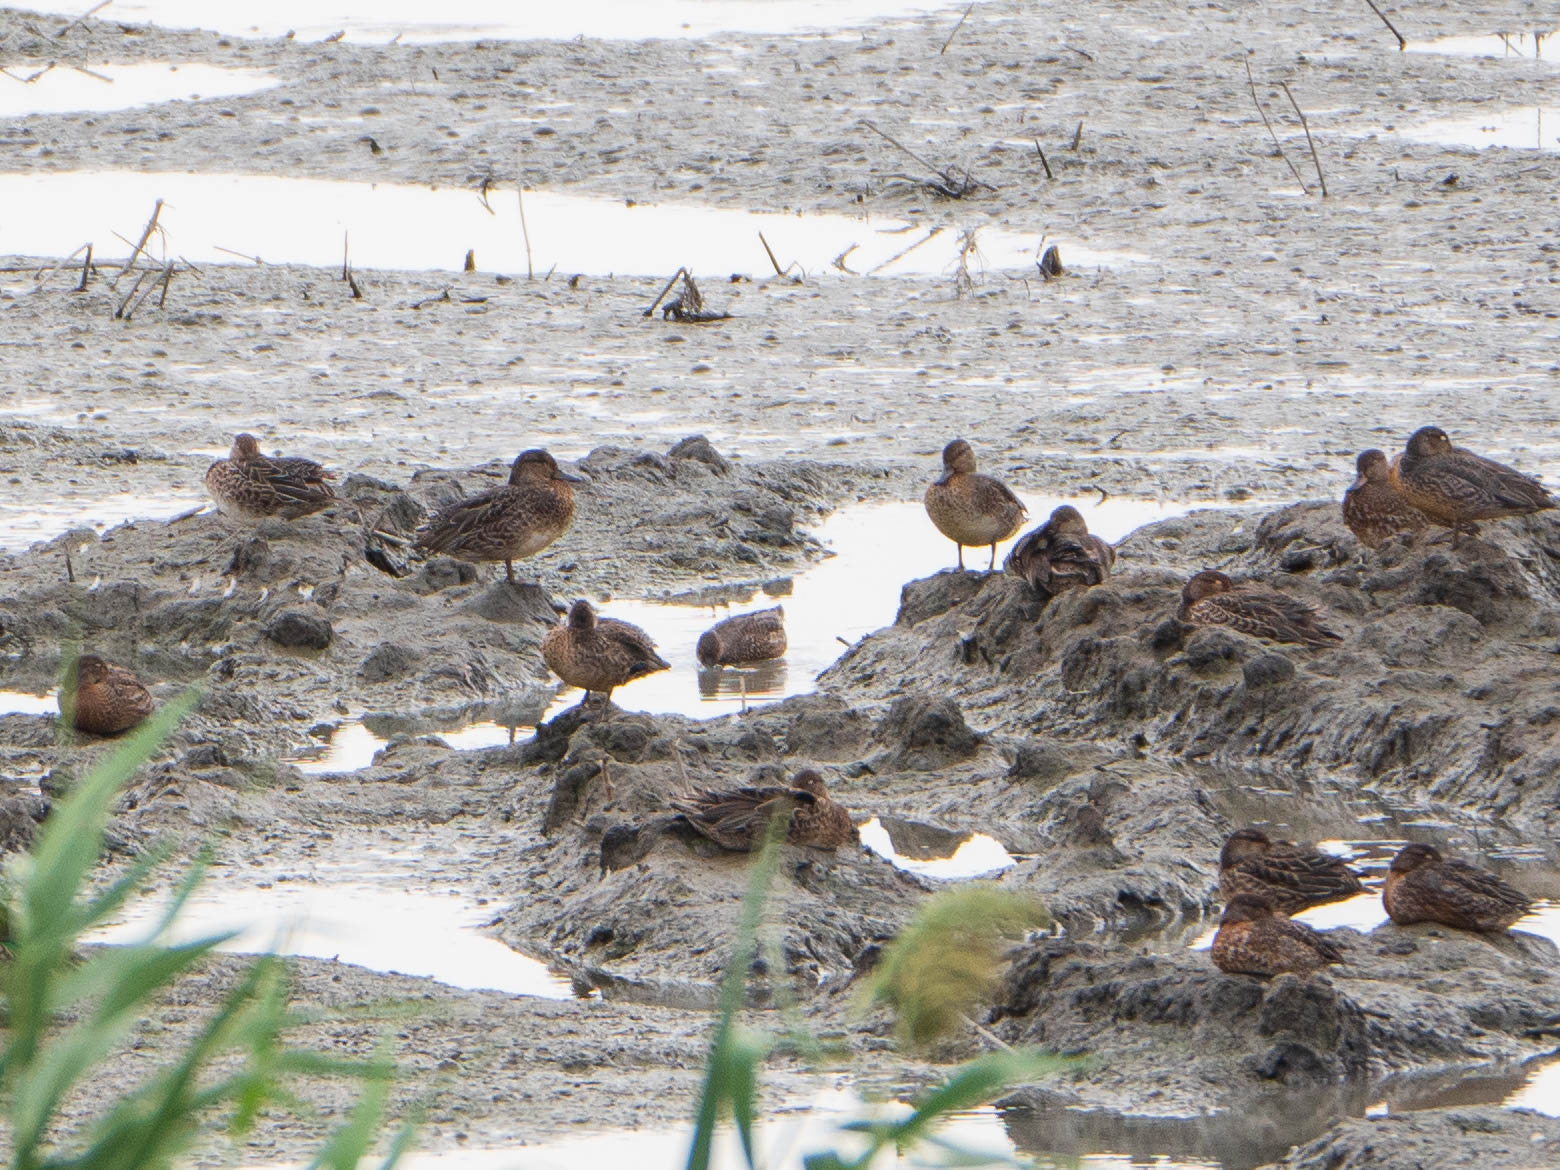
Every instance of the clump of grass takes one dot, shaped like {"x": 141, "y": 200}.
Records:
{"x": 949, "y": 958}
{"x": 66, "y": 1012}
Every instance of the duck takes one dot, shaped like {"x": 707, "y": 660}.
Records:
{"x": 598, "y": 654}
{"x": 743, "y": 638}
{"x": 1210, "y": 598}
{"x": 1061, "y": 554}
{"x": 1454, "y": 487}
{"x": 1287, "y": 876}
{"x": 252, "y": 486}
{"x": 969, "y": 508}
{"x": 103, "y": 698}
{"x": 508, "y": 523}
{"x": 1373, "y": 509}
{"x": 735, "y": 818}
{"x": 1422, "y": 886}
{"x": 1256, "y": 939}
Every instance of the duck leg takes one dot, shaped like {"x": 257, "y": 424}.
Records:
{"x": 993, "y": 563}
{"x": 509, "y": 570}
{"x": 960, "y": 547}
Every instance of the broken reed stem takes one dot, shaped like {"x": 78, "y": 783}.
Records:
{"x": 151, "y": 225}
{"x": 44, "y": 273}
{"x": 93, "y": 11}
{"x": 956, "y": 28}
{"x": 1043, "y": 163}
{"x": 1077, "y": 136}
{"x": 1402, "y": 44}
{"x": 86, "y": 270}
{"x": 520, "y": 194}
{"x": 346, "y": 252}
{"x": 167, "y": 275}
{"x": 140, "y": 276}
{"x": 771, "y": 253}
{"x": 1252, "y": 82}
{"x": 1304, "y": 125}
{"x": 166, "y": 281}
{"x": 664, "y": 291}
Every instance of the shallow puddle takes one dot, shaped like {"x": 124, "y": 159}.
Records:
{"x": 1527, "y": 45}
{"x": 1522, "y": 127}
{"x": 368, "y": 923}
{"x": 24, "y": 523}
{"x": 61, "y": 89}
{"x": 212, "y": 218}
{"x": 22, "y": 703}
{"x": 974, "y": 855}
{"x": 414, "y": 21}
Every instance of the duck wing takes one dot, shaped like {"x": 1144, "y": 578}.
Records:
{"x": 473, "y": 524}
{"x": 1294, "y": 877}
{"x": 1265, "y": 613}
{"x": 1302, "y": 934}
{"x": 1482, "y": 884}
{"x": 633, "y": 645}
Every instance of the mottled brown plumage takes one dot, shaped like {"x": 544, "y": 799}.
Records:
{"x": 1455, "y": 487}
{"x": 508, "y": 523}
{"x": 597, "y": 653}
{"x": 1372, "y": 508}
{"x": 1061, "y": 554}
{"x": 969, "y": 508}
{"x": 1289, "y": 877}
{"x": 1212, "y": 599}
{"x": 747, "y": 637}
{"x": 736, "y": 818}
{"x": 1255, "y": 940}
{"x": 103, "y": 698}
{"x": 1424, "y": 887}
{"x": 253, "y": 486}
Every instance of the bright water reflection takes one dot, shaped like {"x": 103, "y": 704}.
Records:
{"x": 207, "y": 218}
{"x": 412, "y": 21}
{"x": 62, "y": 89}
{"x": 1522, "y": 127}
{"x": 25, "y": 522}
{"x": 975, "y": 856}
{"x": 367, "y": 923}
{"x": 1529, "y": 45}
{"x": 22, "y": 703}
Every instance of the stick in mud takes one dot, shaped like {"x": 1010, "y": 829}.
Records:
{"x": 520, "y": 194}
{"x": 120, "y": 311}
{"x": 93, "y": 11}
{"x": 664, "y": 291}
{"x": 956, "y": 28}
{"x": 166, "y": 281}
{"x": 70, "y": 569}
{"x": 1306, "y": 126}
{"x": 1043, "y": 163}
{"x": 1252, "y": 83}
{"x": 151, "y": 225}
{"x": 167, "y": 275}
{"x": 771, "y": 253}
{"x": 1077, "y": 137}
{"x": 1402, "y": 44}
{"x": 346, "y": 253}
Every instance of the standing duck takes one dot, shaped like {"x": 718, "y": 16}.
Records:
{"x": 1424, "y": 887}
{"x": 253, "y": 486}
{"x": 517, "y": 520}
{"x": 597, "y": 653}
{"x": 102, "y": 698}
{"x": 969, "y": 508}
{"x": 1372, "y": 508}
{"x": 1288, "y": 877}
{"x": 1061, "y": 554}
{"x": 1210, "y": 598}
{"x": 1455, "y": 487}
{"x": 1254, "y": 939}
{"x": 735, "y": 818}
{"x": 747, "y": 637}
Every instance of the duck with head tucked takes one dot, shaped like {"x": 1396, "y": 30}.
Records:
{"x": 744, "y": 638}
{"x": 1289, "y": 877}
{"x": 253, "y": 486}
{"x": 1422, "y": 886}
{"x": 599, "y": 653}
{"x": 1457, "y": 488}
{"x": 508, "y": 523}
{"x": 736, "y": 818}
{"x": 969, "y": 508}
{"x": 1061, "y": 554}
{"x": 1373, "y": 509}
{"x": 1210, "y": 598}
{"x": 103, "y": 698}
{"x": 1254, "y": 939}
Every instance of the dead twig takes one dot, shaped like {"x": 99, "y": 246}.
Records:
{"x": 151, "y": 226}
{"x": 166, "y": 281}
{"x": 1402, "y": 44}
{"x": 947, "y": 182}
{"x": 120, "y": 311}
{"x": 520, "y": 194}
{"x": 1252, "y": 83}
{"x": 44, "y": 273}
{"x": 963, "y": 282}
{"x": 1043, "y": 163}
{"x": 956, "y": 28}
{"x": 1306, "y": 126}
{"x": 86, "y": 270}
{"x": 666, "y": 289}
{"x": 1077, "y": 137}
{"x": 240, "y": 255}
{"x": 93, "y": 11}
{"x": 770, "y": 252}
